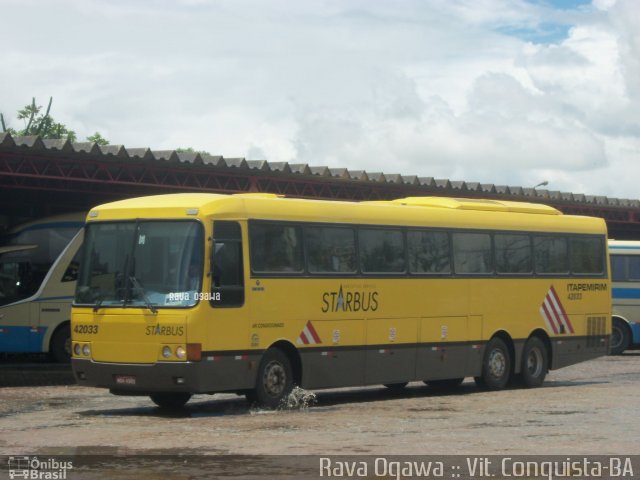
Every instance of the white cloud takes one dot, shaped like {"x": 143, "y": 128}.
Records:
{"x": 428, "y": 88}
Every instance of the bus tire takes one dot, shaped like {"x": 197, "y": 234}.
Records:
{"x": 170, "y": 400}
{"x": 535, "y": 363}
{"x": 620, "y": 337}
{"x": 275, "y": 379}
{"x": 496, "y": 366}
{"x": 396, "y": 387}
{"x": 60, "y": 346}
{"x": 445, "y": 384}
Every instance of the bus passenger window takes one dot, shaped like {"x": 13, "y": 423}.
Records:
{"x": 472, "y": 253}
{"x": 513, "y": 253}
{"x": 276, "y": 248}
{"x": 551, "y": 255}
{"x": 429, "y": 252}
{"x": 330, "y": 250}
{"x": 587, "y": 255}
{"x": 381, "y": 251}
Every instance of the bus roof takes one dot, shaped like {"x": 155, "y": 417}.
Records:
{"x": 411, "y": 211}
{"x": 75, "y": 219}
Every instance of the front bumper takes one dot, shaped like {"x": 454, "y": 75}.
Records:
{"x": 222, "y": 375}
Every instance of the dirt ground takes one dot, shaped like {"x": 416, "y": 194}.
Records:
{"x": 590, "y": 408}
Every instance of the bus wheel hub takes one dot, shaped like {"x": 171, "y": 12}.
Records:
{"x": 274, "y": 379}
{"x": 497, "y": 364}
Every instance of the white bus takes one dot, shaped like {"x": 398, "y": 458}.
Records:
{"x": 38, "y": 270}
{"x": 625, "y": 275}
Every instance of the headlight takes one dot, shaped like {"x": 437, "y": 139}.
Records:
{"x": 166, "y": 352}
{"x": 181, "y": 352}
{"x": 86, "y": 350}
{"x": 77, "y": 349}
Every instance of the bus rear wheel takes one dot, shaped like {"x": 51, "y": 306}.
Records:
{"x": 620, "y": 337}
{"x": 535, "y": 363}
{"x": 170, "y": 400}
{"x": 496, "y": 366}
{"x": 275, "y": 379}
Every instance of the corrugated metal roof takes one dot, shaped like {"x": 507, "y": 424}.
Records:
{"x": 35, "y": 144}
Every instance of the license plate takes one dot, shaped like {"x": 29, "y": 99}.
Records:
{"x": 125, "y": 379}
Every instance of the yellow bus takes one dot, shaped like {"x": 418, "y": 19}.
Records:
{"x": 255, "y": 293}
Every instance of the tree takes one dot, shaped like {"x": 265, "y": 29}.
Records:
{"x": 191, "y": 150}
{"x": 43, "y": 124}
{"x": 97, "y": 138}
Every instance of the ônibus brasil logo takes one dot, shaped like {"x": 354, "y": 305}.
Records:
{"x": 34, "y": 468}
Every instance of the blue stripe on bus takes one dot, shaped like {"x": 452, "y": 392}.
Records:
{"x": 48, "y": 299}
{"x": 625, "y": 292}
{"x": 611, "y": 247}
{"x": 19, "y": 339}
{"x": 635, "y": 333}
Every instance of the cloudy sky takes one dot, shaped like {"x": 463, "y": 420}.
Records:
{"x": 510, "y": 92}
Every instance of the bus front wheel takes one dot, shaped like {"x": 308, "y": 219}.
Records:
{"x": 535, "y": 362}
{"x": 275, "y": 379}
{"x": 60, "y": 347}
{"x": 496, "y": 365}
{"x": 170, "y": 400}
{"x": 620, "y": 337}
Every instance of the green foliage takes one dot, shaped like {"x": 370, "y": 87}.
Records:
{"x": 97, "y": 138}
{"x": 191, "y": 150}
{"x": 38, "y": 123}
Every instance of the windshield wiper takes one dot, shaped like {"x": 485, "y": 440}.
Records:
{"x": 98, "y": 304}
{"x": 99, "y": 300}
{"x": 136, "y": 283}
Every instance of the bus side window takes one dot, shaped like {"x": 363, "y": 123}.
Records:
{"x": 634, "y": 268}
{"x": 512, "y": 253}
{"x": 551, "y": 255}
{"x": 619, "y": 268}
{"x": 227, "y": 287}
{"x": 472, "y": 253}
{"x": 276, "y": 249}
{"x": 586, "y": 255}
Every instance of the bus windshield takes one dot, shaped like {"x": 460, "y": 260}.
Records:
{"x": 145, "y": 264}
{"x": 26, "y": 256}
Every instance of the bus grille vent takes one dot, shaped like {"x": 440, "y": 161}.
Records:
{"x": 596, "y": 330}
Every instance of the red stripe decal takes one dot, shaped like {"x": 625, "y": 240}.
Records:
{"x": 313, "y": 332}
{"x": 550, "y": 319}
{"x": 562, "y": 311}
